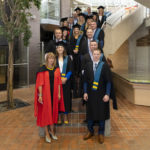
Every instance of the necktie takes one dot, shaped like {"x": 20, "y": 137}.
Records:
{"x": 95, "y": 67}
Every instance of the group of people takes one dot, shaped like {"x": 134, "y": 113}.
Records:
{"x": 75, "y": 63}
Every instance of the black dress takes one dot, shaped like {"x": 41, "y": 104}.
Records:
{"x": 51, "y": 79}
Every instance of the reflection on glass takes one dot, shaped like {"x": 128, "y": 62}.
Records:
{"x": 3, "y": 54}
{"x": 50, "y": 9}
{"x": 20, "y": 76}
{"x": 108, "y": 2}
{"x": 20, "y": 65}
{"x": 3, "y": 76}
{"x": 20, "y": 52}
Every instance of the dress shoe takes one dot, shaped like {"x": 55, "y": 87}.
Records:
{"x": 101, "y": 138}
{"x": 54, "y": 137}
{"x": 48, "y": 140}
{"x": 59, "y": 122}
{"x": 66, "y": 122}
{"x": 88, "y": 136}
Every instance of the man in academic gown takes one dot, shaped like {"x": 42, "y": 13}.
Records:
{"x": 88, "y": 57}
{"x": 98, "y": 34}
{"x": 84, "y": 48}
{"x": 97, "y": 87}
{"x": 51, "y": 47}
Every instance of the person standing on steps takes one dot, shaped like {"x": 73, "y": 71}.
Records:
{"x": 65, "y": 64}
{"x": 48, "y": 97}
{"x": 97, "y": 87}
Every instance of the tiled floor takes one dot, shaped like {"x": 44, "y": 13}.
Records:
{"x": 130, "y": 129}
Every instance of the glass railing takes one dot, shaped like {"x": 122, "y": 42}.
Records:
{"x": 50, "y": 9}
{"x": 106, "y": 3}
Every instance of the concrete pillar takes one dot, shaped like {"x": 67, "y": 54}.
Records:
{"x": 65, "y": 9}
{"x": 34, "y": 47}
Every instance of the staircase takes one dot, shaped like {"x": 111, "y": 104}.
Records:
{"x": 76, "y": 118}
{"x": 117, "y": 34}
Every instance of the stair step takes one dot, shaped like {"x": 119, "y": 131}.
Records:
{"x": 77, "y": 128}
{"x": 77, "y": 105}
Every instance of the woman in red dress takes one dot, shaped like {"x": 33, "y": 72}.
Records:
{"x": 48, "y": 96}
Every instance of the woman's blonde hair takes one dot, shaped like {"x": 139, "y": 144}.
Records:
{"x": 50, "y": 55}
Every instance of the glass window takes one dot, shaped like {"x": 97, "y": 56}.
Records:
{"x": 20, "y": 52}
{"x": 20, "y": 76}
{"x": 21, "y": 62}
{"x": 50, "y": 9}
{"x": 3, "y": 54}
{"x": 3, "y": 76}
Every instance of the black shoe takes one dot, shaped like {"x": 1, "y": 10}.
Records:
{"x": 85, "y": 121}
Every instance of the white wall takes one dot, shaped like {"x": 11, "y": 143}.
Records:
{"x": 139, "y": 56}
{"x": 144, "y": 2}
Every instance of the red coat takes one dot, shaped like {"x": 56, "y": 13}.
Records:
{"x": 44, "y": 113}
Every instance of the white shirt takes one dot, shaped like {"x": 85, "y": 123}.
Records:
{"x": 100, "y": 18}
{"x": 89, "y": 40}
{"x": 60, "y": 65}
{"x": 75, "y": 20}
{"x": 94, "y": 32}
{"x": 58, "y": 40}
{"x": 94, "y": 65}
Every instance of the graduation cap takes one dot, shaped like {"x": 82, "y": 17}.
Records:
{"x": 101, "y": 7}
{"x": 89, "y": 17}
{"x": 76, "y": 26}
{"x": 64, "y": 28}
{"x": 63, "y": 19}
{"x": 82, "y": 14}
{"x": 61, "y": 43}
{"x": 94, "y": 13}
{"x": 77, "y": 9}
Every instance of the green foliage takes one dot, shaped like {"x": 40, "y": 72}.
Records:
{"x": 14, "y": 15}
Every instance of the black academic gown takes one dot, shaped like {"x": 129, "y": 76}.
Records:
{"x": 100, "y": 23}
{"x": 84, "y": 49}
{"x": 100, "y": 37}
{"x": 76, "y": 57}
{"x": 67, "y": 88}
{"x": 87, "y": 58}
{"x": 97, "y": 109}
